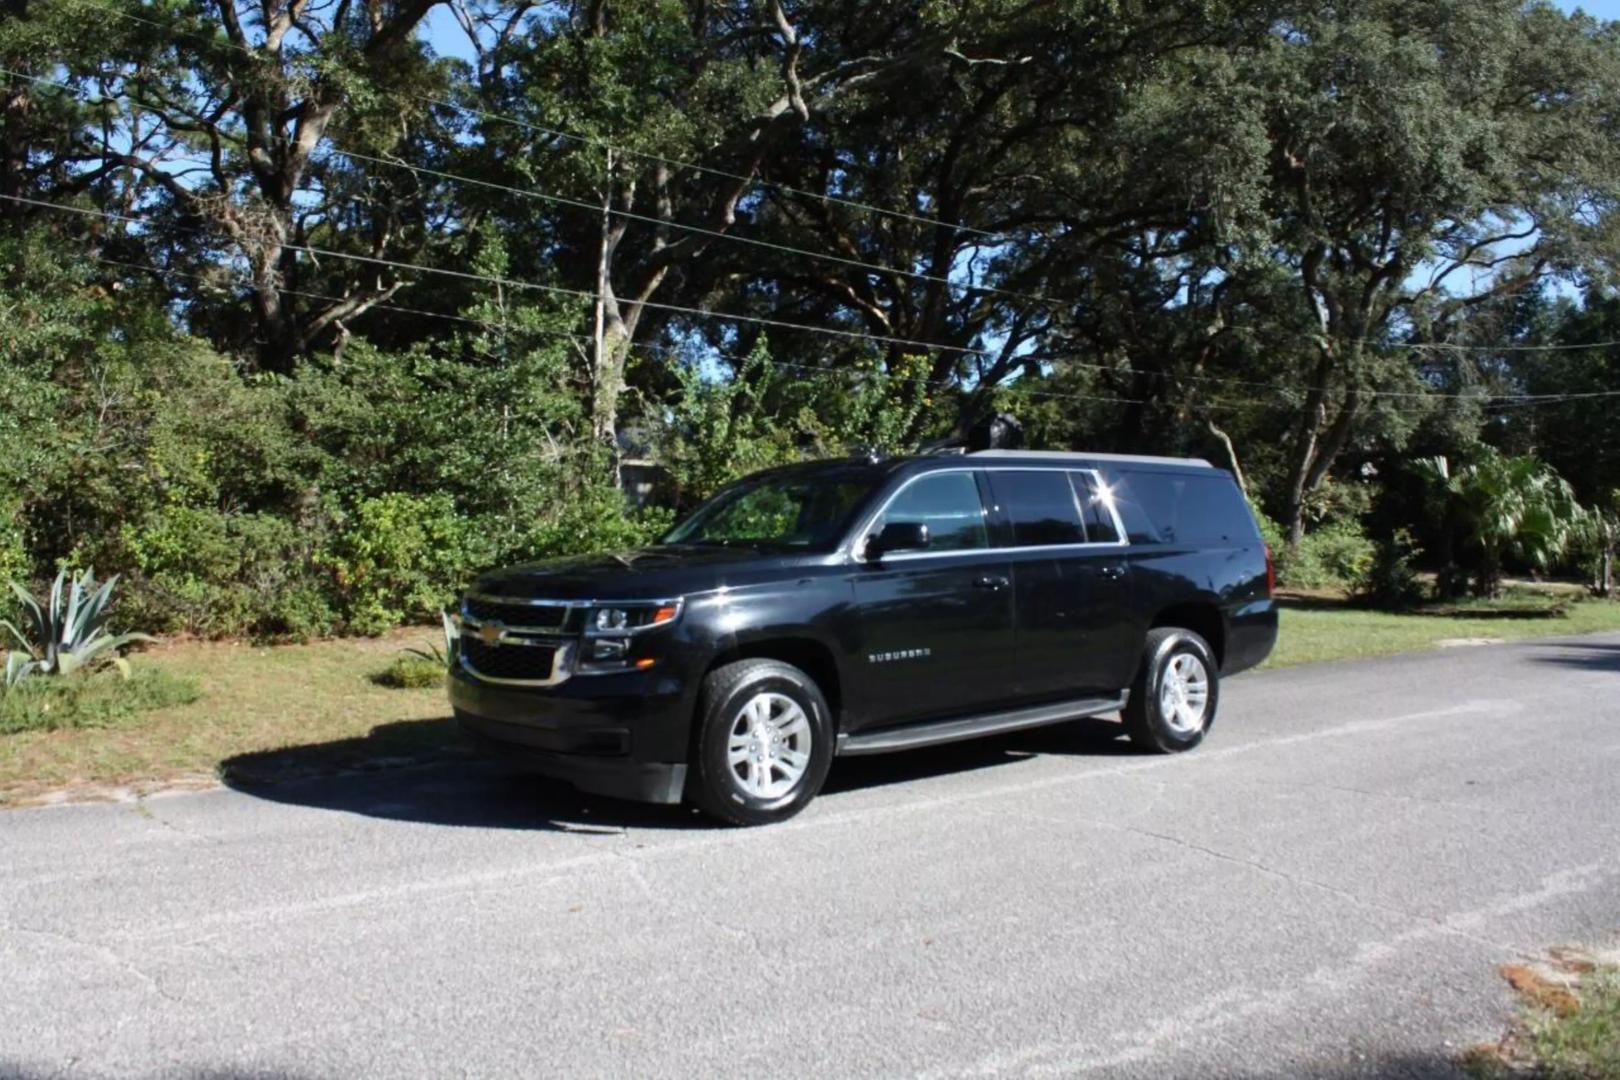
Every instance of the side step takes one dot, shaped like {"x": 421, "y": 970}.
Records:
{"x": 934, "y": 732}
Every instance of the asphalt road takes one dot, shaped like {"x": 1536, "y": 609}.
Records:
{"x": 1324, "y": 889}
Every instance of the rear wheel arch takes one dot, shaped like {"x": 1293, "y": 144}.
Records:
{"x": 1202, "y": 617}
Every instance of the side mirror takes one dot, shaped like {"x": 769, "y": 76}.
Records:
{"x": 898, "y": 536}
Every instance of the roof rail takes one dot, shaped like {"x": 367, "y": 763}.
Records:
{"x": 1080, "y": 455}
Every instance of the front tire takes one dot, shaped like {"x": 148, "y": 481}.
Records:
{"x": 1173, "y": 699}
{"x": 764, "y": 743}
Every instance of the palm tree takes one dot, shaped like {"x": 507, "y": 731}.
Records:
{"x": 1515, "y": 507}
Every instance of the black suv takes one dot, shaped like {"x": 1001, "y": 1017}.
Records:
{"x": 859, "y": 606}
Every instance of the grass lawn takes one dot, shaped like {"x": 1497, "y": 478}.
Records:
{"x": 273, "y": 712}
{"x": 1324, "y": 629}
{"x": 265, "y": 712}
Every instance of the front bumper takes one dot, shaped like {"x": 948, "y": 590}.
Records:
{"x": 619, "y": 735}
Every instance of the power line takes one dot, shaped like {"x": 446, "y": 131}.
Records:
{"x": 631, "y": 215}
{"x": 580, "y": 294}
{"x": 874, "y": 268}
{"x": 594, "y": 141}
{"x": 653, "y": 347}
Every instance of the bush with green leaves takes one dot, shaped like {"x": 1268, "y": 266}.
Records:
{"x": 401, "y": 557}
{"x": 1392, "y": 581}
{"x": 202, "y": 571}
{"x": 1338, "y": 555}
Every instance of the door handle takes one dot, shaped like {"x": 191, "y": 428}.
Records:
{"x": 990, "y": 581}
{"x": 1112, "y": 573}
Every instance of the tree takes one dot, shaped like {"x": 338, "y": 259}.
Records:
{"x": 1505, "y": 506}
{"x": 1425, "y": 157}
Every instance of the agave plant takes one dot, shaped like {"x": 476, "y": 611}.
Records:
{"x": 19, "y": 666}
{"x": 432, "y": 653}
{"x": 66, "y": 631}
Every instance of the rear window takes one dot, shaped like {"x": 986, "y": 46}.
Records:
{"x": 1183, "y": 508}
{"x": 1041, "y": 507}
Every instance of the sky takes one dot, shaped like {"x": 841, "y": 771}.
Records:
{"x": 448, "y": 40}
{"x": 1603, "y": 9}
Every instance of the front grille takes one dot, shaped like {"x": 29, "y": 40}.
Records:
{"x": 515, "y": 613}
{"x": 530, "y": 663}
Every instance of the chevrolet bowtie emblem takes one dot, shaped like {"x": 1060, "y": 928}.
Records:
{"x": 491, "y": 633}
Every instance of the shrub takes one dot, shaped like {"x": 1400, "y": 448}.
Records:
{"x": 95, "y": 700}
{"x": 218, "y": 574}
{"x": 594, "y": 518}
{"x": 411, "y": 673}
{"x": 403, "y": 557}
{"x": 1391, "y": 580}
{"x": 1336, "y": 555}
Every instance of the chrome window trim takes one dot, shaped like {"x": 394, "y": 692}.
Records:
{"x": 856, "y": 546}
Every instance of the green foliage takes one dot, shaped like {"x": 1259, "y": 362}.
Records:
{"x": 202, "y": 571}
{"x": 65, "y": 631}
{"x": 1505, "y": 507}
{"x": 724, "y": 428}
{"x": 95, "y": 700}
{"x": 435, "y": 654}
{"x": 592, "y": 517}
{"x": 1392, "y": 582}
{"x": 402, "y": 557}
{"x": 1338, "y": 555}
{"x": 411, "y": 673}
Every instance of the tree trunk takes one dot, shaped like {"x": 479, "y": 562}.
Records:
{"x": 1605, "y": 582}
{"x": 1231, "y": 454}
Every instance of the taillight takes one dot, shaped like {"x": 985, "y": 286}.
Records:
{"x": 1271, "y": 573}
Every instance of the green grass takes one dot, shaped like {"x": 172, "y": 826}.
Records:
{"x": 1324, "y": 630}
{"x": 1585, "y": 1042}
{"x": 1568, "y": 1027}
{"x": 265, "y": 712}
{"x": 99, "y": 700}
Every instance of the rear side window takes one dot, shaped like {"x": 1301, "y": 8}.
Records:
{"x": 948, "y": 503}
{"x": 1095, "y": 509}
{"x": 1184, "y": 508}
{"x": 1041, "y": 507}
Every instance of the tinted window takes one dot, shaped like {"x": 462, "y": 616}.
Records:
{"x": 948, "y": 503}
{"x": 1095, "y": 509}
{"x": 801, "y": 509}
{"x": 1041, "y": 507}
{"x": 1185, "y": 508}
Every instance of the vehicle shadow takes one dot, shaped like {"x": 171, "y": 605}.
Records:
{"x": 1585, "y": 655}
{"x": 418, "y": 770}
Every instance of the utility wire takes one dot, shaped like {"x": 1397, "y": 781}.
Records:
{"x": 631, "y": 215}
{"x": 1486, "y": 400}
{"x": 875, "y": 268}
{"x": 590, "y": 140}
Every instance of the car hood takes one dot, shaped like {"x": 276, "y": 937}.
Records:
{"x": 654, "y": 573}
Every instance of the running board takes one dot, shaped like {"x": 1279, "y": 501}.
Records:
{"x": 934, "y": 732}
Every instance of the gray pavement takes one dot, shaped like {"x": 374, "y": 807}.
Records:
{"x": 1324, "y": 889}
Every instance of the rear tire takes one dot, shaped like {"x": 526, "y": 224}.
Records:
{"x": 1173, "y": 698}
{"x": 764, "y": 743}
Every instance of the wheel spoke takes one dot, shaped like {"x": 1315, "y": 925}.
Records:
{"x": 780, "y": 727}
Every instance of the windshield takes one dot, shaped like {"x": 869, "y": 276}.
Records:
{"x": 807, "y": 511}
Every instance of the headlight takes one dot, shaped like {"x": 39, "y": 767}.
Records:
{"x": 630, "y": 618}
